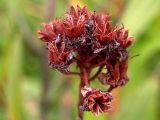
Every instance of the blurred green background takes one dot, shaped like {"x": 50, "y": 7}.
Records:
{"x": 30, "y": 90}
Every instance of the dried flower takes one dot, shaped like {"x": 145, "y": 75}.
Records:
{"x": 97, "y": 101}
{"x": 103, "y": 32}
{"x": 74, "y": 25}
{"x": 117, "y": 66}
{"x": 89, "y": 40}
{"x": 121, "y": 35}
{"x": 50, "y": 30}
{"x": 59, "y": 57}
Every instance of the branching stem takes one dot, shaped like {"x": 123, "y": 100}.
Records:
{"x": 72, "y": 73}
{"x": 84, "y": 81}
{"x": 97, "y": 73}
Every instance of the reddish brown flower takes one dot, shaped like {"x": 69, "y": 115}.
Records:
{"x": 59, "y": 58}
{"x": 103, "y": 30}
{"x": 116, "y": 75}
{"x": 75, "y": 21}
{"x": 91, "y": 40}
{"x": 78, "y": 11}
{"x": 96, "y": 101}
{"x": 50, "y": 30}
{"x": 87, "y": 39}
{"x": 121, "y": 35}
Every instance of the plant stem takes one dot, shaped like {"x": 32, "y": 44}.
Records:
{"x": 99, "y": 64}
{"x": 97, "y": 73}
{"x": 84, "y": 79}
{"x": 80, "y": 112}
{"x": 111, "y": 88}
{"x": 72, "y": 73}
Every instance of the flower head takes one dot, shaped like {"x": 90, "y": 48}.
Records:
{"x": 121, "y": 35}
{"x": 59, "y": 57}
{"x": 50, "y": 30}
{"x": 74, "y": 24}
{"x": 96, "y": 101}
{"x": 116, "y": 74}
{"x": 89, "y": 40}
{"x": 103, "y": 32}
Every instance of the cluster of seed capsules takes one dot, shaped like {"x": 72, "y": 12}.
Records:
{"x": 88, "y": 39}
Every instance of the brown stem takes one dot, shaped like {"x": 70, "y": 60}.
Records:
{"x": 84, "y": 76}
{"x": 92, "y": 57}
{"x": 97, "y": 73}
{"x": 134, "y": 56}
{"x": 111, "y": 88}
{"x": 79, "y": 62}
{"x": 83, "y": 82}
{"x": 80, "y": 111}
{"x": 99, "y": 64}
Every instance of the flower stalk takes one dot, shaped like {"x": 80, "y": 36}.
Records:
{"x": 87, "y": 39}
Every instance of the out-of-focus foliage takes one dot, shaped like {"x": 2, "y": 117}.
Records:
{"x": 23, "y": 83}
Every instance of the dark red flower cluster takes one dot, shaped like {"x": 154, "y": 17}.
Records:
{"x": 89, "y": 40}
{"x": 96, "y": 101}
